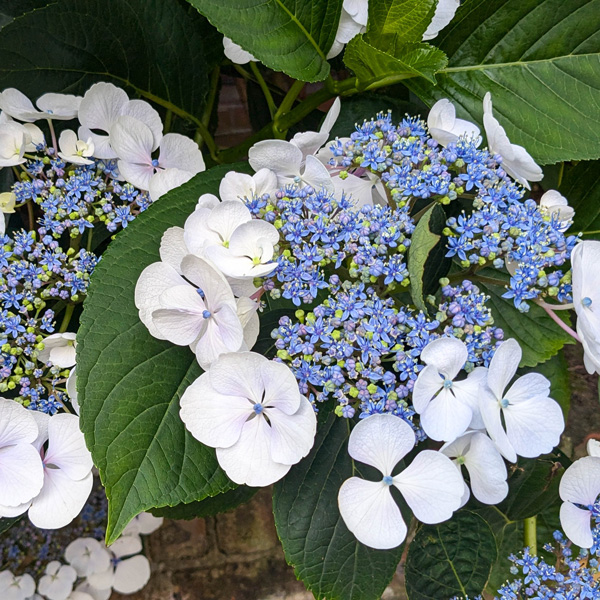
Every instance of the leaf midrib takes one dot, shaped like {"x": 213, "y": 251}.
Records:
{"x": 518, "y": 63}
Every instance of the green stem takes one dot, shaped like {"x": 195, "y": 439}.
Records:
{"x": 530, "y": 534}
{"x": 215, "y": 77}
{"x": 279, "y": 129}
{"x": 30, "y": 215}
{"x": 561, "y": 172}
{"x": 591, "y": 232}
{"x": 89, "y": 243}
{"x": 67, "y": 318}
{"x": 265, "y": 88}
{"x": 203, "y": 136}
{"x": 489, "y": 280}
{"x": 168, "y": 121}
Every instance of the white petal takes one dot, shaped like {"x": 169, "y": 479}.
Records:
{"x": 316, "y": 174}
{"x": 446, "y": 417}
{"x": 59, "y": 106}
{"x": 370, "y": 513}
{"x": 18, "y": 105}
{"x": 281, "y": 387}
{"x": 381, "y": 441}
{"x": 164, "y": 181}
{"x": 227, "y": 217}
{"x": 138, "y": 175}
{"x": 277, "y": 155}
{"x": 60, "y": 500}
{"x": 87, "y": 556}
{"x": 126, "y": 545}
{"x": 95, "y": 593}
{"x": 181, "y": 319}
{"x": 487, "y": 470}
{"x": 431, "y": 486}
{"x": 448, "y": 355}
{"x": 581, "y": 481}
{"x": 101, "y": 581}
{"x": 102, "y": 147}
{"x": 359, "y": 190}
{"x": 576, "y": 524}
{"x": 237, "y": 186}
{"x": 180, "y": 152}
{"x": 224, "y": 333}
{"x": 14, "y": 511}
{"x": 492, "y": 418}
{"x": 172, "y": 247}
{"x": 16, "y": 588}
{"x": 152, "y": 282}
{"x": 469, "y": 391}
{"x": 42, "y": 420}
{"x": 309, "y": 141}
{"x": 58, "y": 586}
{"x": 534, "y": 427}
{"x": 292, "y": 436}
{"x": 144, "y": 523}
{"x": 503, "y": 366}
{"x": 526, "y": 387}
{"x": 593, "y": 447}
{"x": 265, "y": 181}
{"x": 427, "y": 385}
{"x": 246, "y": 238}
{"x": 235, "y": 53}
{"x": 239, "y": 374}
{"x": 17, "y": 425}
{"x": 131, "y": 575}
{"x": 142, "y": 111}
{"x": 249, "y": 460}
{"x": 213, "y": 418}
{"x": 248, "y": 316}
{"x": 101, "y": 106}
{"x": 66, "y": 447}
{"x": 332, "y": 116}
{"x": 21, "y": 474}
{"x": 132, "y": 140}
{"x": 444, "y": 13}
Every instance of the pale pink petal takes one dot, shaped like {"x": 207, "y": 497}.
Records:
{"x": 138, "y": 175}
{"x": 132, "y": 140}
{"x": 371, "y": 514}
{"x": 211, "y": 417}
{"x": 142, "y": 111}
{"x": 381, "y": 441}
{"x": 60, "y": 500}
{"x": 249, "y": 460}
{"x": 101, "y": 106}
{"x": 431, "y": 486}
{"x": 576, "y": 524}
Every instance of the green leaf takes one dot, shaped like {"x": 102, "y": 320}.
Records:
{"x": 581, "y": 187}
{"x": 316, "y": 542}
{"x": 285, "y": 35}
{"x": 6, "y": 523}
{"x": 370, "y": 64}
{"x": 11, "y": 9}
{"x": 540, "y": 59}
{"x": 452, "y": 558}
{"x": 556, "y": 369}
{"x": 209, "y": 506}
{"x": 392, "y": 48}
{"x": 148, "y": 46}
{"x": 426, "y": 256}
{"x": 533, "y": 486}
{"x": 538, "y": 335}
{"x": 130, "y": 383}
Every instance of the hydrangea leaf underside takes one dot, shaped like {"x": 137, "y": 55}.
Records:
{"x": 142, "y": 45}
{"x": 540, "y": 59}
{"x": 285, "y": 35}
{"x": 130, "y": 383}
{"x": 316, "y": 542}
{"x": 452, "y": 558}
{"x": 392, "y": 46}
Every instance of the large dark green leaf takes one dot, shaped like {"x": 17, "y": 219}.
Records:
{"x": 286, "y": 35}
{"x": 130, "y": 383}
{"x": 209, "y": 506}
{"x": 538, "y": 335}
{"x": 581, "y": 187}
{"x": 454, "y": 558}
{"x": 540, "y": 59}
{"x": 392, "y": 48}
{"x": 6, "y": 524}
{"x": 316, "y": 542}
{"x": 151, "y": 47}
{"x": 11, "y": 9}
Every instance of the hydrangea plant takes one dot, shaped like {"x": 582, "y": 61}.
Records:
{"x": 367, "y": 315}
